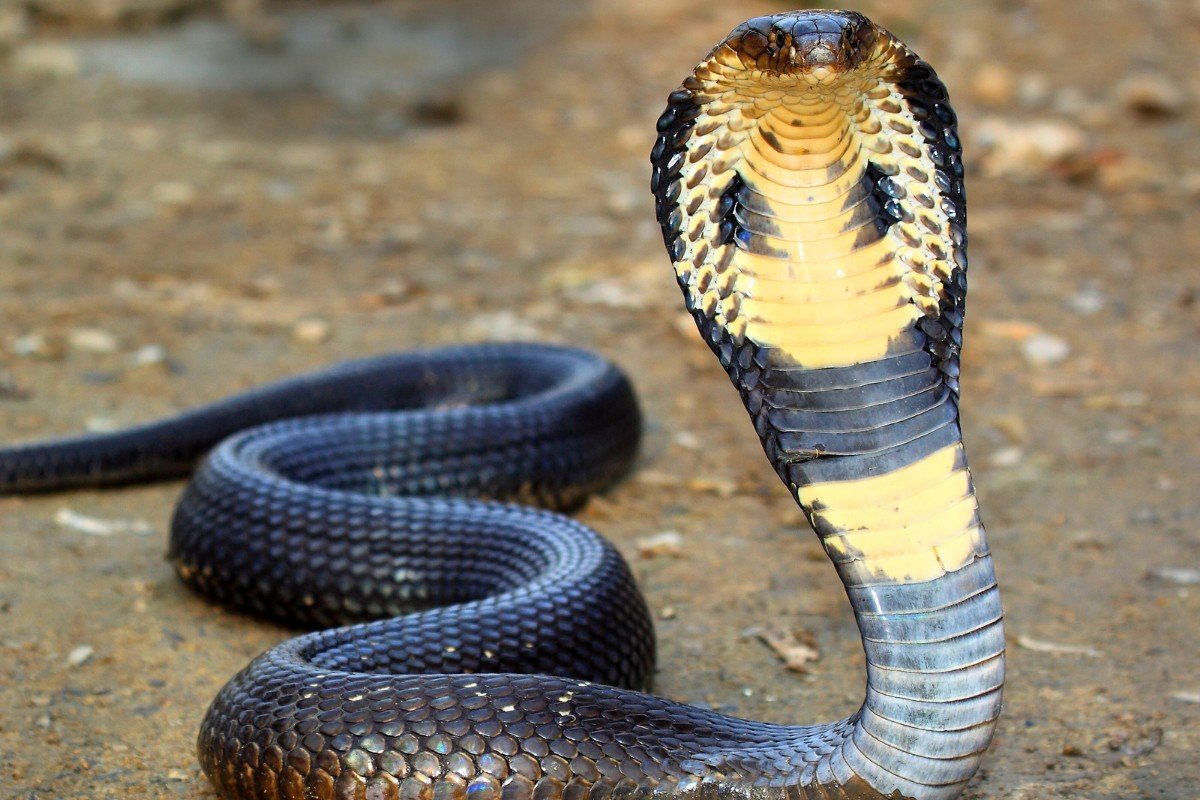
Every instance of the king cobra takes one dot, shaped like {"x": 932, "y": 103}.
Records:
{"x": 809, "y": 186}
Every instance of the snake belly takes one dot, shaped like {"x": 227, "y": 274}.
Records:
{"x": 808, "y": 181}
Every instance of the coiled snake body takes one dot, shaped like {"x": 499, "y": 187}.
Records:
{"x": 809, "y": 187}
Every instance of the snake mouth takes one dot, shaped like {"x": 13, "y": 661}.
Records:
{"x": 817, "y": 45}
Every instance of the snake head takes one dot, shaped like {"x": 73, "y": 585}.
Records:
{"x": 817, "y": 44}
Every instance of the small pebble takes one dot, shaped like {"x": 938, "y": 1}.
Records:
{"x": 1178, "y": 575}
{"x": 652, "y": 477}
{"x": 1089, "y": 540}
{"x": 1129, "y": 172}
{"x": 1145, "y": 515}
{"x": 93, "y": 340}
{"x": 667, "y": 543}
{"x": 1028, "y": 150}
{"x": 1070, "y": 101}
{"x": 993, "y": 84}
{"x": 312, "y": 330}
{"x": 1011, "y": 426}
{"x": 262, "y": 286}
{"x": 149, "y": 355}
{"x": 1151, "y": 94}
{"x": 623, "y": 201}
{"x": 389, "y": 293}
{"x": 1015, "y": 329}
{"x": 1042, "y": 646}
{"x": 44, "y": 720}
{"x": 96, "y": 526}
{"x": 46, "y": 60}
{"x": 1033, "y": 89}
{"x": 99, "y": 377}
{"x": 80, "y": 655}
{"x": 503, "y": 325}
{"x": 612, "y": 294}
{"x": 1120, "y": 437}
{"x": 1110, "y": 401}
{"x": 1007, "y": 457}
{"x": 1087, "y": 301}
{"x": 39, "y": 345}
{"x": 173, "y": 193}
{"x": 12, "y": 389}
{"x": 721, "y": 487}
{"x": 101, "y": 425}
{"x": 401, "y": 236}
{"x": 281, "y": 190}
{"x": 1045, "y": 349}
{"x": 1136, "y": 742}
{"x": 688, "y": 440}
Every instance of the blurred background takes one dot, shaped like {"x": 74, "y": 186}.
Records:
{"x": 199, "y": 195}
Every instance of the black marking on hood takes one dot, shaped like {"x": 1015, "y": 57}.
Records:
{"x": 885, "y": 198}
{"x": 729, "y": 204}
{"x": 667, "y": 159}
{"x": 938, "y": 126}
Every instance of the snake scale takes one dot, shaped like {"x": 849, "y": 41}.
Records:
{"x": 809, "y": 185}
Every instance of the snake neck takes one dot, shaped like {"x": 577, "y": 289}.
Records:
{"x": 816, "y": 220}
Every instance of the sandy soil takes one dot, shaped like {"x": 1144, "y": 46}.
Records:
{"x": 168, "y": 240}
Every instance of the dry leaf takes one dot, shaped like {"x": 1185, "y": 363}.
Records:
{"x": 796, "y": 649}
{"x": 1042, "y": 646}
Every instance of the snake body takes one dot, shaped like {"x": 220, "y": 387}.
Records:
{"x": 808, "y": 182}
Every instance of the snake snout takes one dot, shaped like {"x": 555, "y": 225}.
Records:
{"x": 820, "y": 43}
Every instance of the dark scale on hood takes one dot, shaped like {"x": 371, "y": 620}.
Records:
{"x": 667, "y": 158}
{"x": 938, "y": 126}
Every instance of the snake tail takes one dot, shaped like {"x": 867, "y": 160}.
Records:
{"x": 522, "y": 378}
{"x": 809, "y": 184}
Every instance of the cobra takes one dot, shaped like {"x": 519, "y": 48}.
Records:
{"x": 809, "y": 185}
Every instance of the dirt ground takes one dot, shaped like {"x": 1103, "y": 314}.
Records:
{"x": 203, "y": 205}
